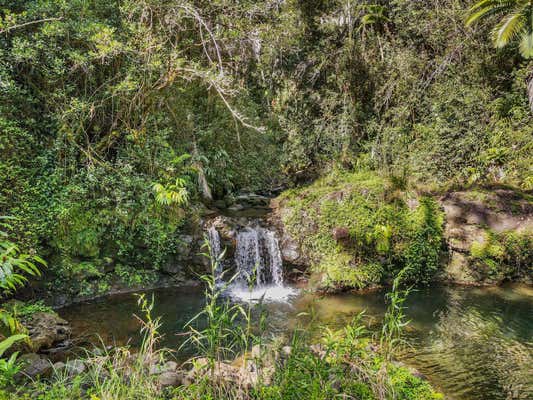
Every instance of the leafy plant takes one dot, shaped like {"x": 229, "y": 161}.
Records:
{"x": 394, "y": 320}
{"x": 516, "y": 22}
{"x": 8, "y": 369}
{"x": 219, "y": 337}
{"x": 15, "y": 266}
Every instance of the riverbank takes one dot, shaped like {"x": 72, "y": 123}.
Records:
{"x": 356, "y": 230}
{"x": 467, "y": 341}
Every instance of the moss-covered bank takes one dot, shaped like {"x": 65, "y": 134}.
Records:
{"x": 359, "y": 229}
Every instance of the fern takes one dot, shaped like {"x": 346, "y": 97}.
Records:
{"x": 14, "y": 265}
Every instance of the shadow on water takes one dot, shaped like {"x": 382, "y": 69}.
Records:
{"x": 472, "y": 343}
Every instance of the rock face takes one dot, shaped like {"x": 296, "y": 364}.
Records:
{"x": 47, "y": 329}
{"x": 291, "y": 250}
{"x": 469, "y": 214}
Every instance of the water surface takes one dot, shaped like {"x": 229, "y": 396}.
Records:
{"x": 471, "y": 343}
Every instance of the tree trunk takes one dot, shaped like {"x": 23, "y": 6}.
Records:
{"x": 203, "y": 186}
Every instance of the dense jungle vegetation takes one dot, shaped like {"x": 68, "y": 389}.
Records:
{"x": 124, "y": 122}
{"x": 120, "y": 118}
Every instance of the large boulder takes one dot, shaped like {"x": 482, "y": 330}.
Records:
{"x": 290, "y": 247}
{"x": 46, "y": 329}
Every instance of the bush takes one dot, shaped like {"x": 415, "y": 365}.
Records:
{"x": 504, "y": 256}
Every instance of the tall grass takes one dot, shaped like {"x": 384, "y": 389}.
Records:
{"x": 394, "y": 320}
{"x": 342, "y": 364}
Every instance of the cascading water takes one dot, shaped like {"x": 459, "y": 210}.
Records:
{"x": 259, "y": 267}
{"x": 215, "y": 248}
{"x": 258, "y": 258}
{"x": 258, "y": 263}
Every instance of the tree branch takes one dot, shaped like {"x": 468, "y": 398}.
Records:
{"x": 5, "y": 30}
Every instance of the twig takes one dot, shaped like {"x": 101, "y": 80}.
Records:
{"x": 30, "y": 23}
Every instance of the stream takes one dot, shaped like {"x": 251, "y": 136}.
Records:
{"x": 471, "y": 343}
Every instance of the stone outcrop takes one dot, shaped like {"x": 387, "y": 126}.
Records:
{"x": 46, "y": 329}
{"x": 469, "y": 215}
{"x": 291, "y": 249}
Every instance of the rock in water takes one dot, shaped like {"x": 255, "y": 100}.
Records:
{"x": 170, "y": 379}
{"x": 33, "y": 365}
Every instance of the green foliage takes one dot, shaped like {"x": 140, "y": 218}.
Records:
{"x": 343, "y": 367}
{"x": 385, "y": 235}
{"x": 423, "y": 253}
{"x": 105, "y": 120}
{"x": 215, "y": 332}
{"x": 25, "y": 310}
{"x": 8, "y": 369}
{"x": 394, "y": 320}
{"x": 503, "y": 256}
{"x": 15, "y": 266}
{"x": 516, "y": 22}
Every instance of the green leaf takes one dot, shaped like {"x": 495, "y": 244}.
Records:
{"x": 10, "y": 341}
{"x": 526, "y": 45}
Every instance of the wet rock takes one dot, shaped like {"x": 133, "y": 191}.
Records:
{"x": 290, "y": 251}
{"x": 252, "y": 200}
{"x": 226, "y": 227}
{"x": 33, "y": 366}
{"x": 46, "y": 329}
{"x": 172, "y": 268}
{"x": 169, "y": 366}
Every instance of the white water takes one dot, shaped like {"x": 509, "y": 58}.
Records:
{"x": 215, "y": 249}
{"x": 259, "y": 265}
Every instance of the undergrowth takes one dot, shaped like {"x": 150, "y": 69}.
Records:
{"x": 388, "y": 228}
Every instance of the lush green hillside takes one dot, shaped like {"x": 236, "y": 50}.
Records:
{"x": 101, "y": 100}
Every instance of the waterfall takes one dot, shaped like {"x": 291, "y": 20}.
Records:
{"x": 258, "y": 265}
{"x": 215, "y": 248}
{"x": 258, "y": 258}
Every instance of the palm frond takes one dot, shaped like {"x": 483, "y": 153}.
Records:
{"x": 526, "y": 45}
{"x": 488, "y": 10}
{"x": 508, "y": 29}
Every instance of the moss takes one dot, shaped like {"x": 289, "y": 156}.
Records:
{"x": 503, "y": 256}
{"x": 25, "y": 310}
{"x": 384, "y": 233}
{"x": 410, "y": 387}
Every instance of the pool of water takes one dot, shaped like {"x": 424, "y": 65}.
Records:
{"x": 471, "y": 343}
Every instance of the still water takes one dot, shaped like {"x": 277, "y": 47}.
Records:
{"x": 471, "y": 343}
